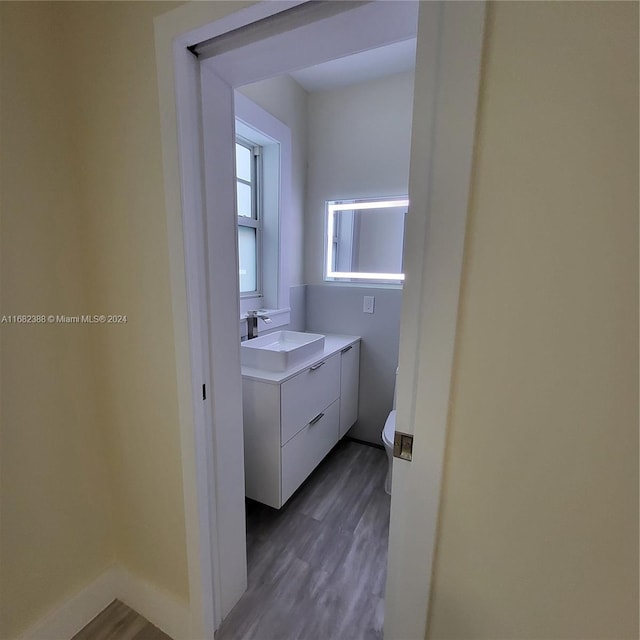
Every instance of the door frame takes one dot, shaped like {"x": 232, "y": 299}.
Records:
{"x": 450, "y": 38}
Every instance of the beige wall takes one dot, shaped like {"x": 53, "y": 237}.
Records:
{"x": 539, "y": 519}
{"x": 91, "y": 469}
{"x": 56, "y": 524}
{"x": 117, "y": 124}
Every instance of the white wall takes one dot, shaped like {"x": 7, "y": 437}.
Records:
{"x": 286, "y": 100}
{"x": 338, "y": 309}
{"x": 359, "y": 143}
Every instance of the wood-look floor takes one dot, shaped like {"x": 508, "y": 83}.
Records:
{"x": 119, "y": 622}
{"x": 317, "y": 567}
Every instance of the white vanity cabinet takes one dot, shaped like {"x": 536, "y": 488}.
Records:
{"x": 349, "y": 379}
{"x": 294, "y": 418}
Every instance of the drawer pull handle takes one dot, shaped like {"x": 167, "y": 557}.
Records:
{"x": 317, "y": 418}
{"x": 316, "y": 366}
{"x": 347, "y": 349}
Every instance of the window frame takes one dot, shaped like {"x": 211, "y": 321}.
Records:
{"x": 252, "y": 122}
{"x": 255, "y": 220}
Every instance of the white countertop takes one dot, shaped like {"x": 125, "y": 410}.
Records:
{"x": 332, "y": 344}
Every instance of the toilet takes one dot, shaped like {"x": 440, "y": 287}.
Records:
{"x": 388, "y": 434}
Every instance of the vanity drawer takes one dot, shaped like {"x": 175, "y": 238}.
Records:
{"x": 302, "y": 454}
{"x": 304, "y": 396}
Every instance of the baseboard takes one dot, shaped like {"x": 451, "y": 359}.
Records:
{"x": 160, "y": 608}
{"x": 375, "y": 445}
{"x": 65, "y": 620}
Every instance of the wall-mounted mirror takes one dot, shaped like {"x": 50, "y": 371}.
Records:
{"x": 364, "y": 240}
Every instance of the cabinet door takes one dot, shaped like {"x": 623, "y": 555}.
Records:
{"x": 349, "y": 384}
{"x": 302, "y": 454}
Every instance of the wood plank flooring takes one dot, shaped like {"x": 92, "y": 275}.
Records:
{"x": 317, "y": 567}
{"x": 119, "y": 622}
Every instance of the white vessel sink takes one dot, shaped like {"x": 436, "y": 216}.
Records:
{"x": 280, "y": 350}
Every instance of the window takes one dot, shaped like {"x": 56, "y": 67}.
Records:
{"x": 249, "y": 212}
{"x": 365, "y": 240}
{"x": 263, "y": 157}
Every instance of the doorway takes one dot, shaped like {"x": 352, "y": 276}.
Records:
{"x": 452, "y": 41}
{"x": 363, "y": 27}
{"x": 351, "y": 128}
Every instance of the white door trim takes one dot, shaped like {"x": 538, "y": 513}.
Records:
{"x": 442, "y": 149}
{"x": 439, "y": 190}
{"x": 181, "y": 132}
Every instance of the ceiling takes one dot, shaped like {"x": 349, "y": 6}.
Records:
{"x": 359, "y": 67}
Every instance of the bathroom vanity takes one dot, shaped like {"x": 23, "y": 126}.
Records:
{"x": 294, "y": 417}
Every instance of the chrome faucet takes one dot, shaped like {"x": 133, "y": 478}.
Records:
{"x": 252, "y": 323}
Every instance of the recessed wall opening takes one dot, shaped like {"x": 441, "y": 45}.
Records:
{"x": 315, "y": 466}
{"x": 207, "y": 91}
{"x": 316, "y": 475}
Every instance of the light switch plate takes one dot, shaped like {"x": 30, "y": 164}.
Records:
{"x": 368, "y": 304}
